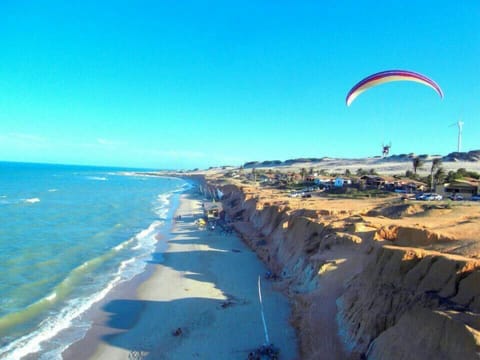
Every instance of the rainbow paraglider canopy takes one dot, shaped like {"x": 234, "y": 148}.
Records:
{"x": 389, "y": 76}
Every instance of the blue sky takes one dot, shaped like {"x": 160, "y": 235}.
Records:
{"x": 184, "y": 84}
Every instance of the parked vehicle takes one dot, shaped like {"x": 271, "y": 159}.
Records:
{"x": 408, "y": 197}
{"x": 456, "y": 197}
{"x": 475, "y": 198}
{"x": 420, "y": 196}
{"x": 430, "y": 197}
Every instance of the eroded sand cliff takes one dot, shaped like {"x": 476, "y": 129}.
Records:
{"x": 376, "y": 279}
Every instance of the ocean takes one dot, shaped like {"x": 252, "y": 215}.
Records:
{"x": 68, "y": 235}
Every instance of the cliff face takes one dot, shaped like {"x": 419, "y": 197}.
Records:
{"x": 419, "y": 302}
{"x": 361, "y": 290}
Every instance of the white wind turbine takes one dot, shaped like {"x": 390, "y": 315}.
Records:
{"x": 460, "y": 125}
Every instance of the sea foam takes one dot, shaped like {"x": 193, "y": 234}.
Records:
{"x": 97, "y": 178}
{"x": 31, "y": 200}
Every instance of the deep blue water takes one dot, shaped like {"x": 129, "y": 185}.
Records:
{"x": 68, "y": 234}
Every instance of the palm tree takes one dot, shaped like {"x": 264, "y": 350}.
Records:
{"x": 303, "y": 173}
{"x": 361, "y": 172}
{"x": 439, "y": 175}
{"x": 435, "y": 165}
{"x": 417, "y": 164}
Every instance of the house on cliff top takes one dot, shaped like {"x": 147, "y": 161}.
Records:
{"x": 373, "y": 181}
{"x": 466, "y": 187}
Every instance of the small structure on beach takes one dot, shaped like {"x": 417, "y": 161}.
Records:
{"x": 213, "y": 210}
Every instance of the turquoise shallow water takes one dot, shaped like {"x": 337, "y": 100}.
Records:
{"x": 69, "y": 234}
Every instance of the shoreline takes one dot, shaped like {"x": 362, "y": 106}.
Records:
{"x": 205, "y": 283}
{"x": 121, "y": 256}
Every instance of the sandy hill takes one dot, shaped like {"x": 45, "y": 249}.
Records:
{"x": 394, "y": 164}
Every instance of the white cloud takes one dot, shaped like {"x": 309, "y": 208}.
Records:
{"x": 27, "y": 137}
{"x": 182, "y": 154}
{"x": 23, "y": 140}
{"x": 108, "y": 142}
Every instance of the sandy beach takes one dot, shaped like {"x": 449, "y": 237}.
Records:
{"x": 205, "y": 284}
